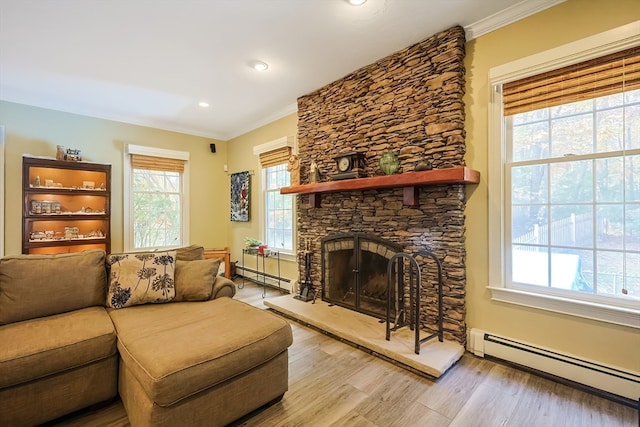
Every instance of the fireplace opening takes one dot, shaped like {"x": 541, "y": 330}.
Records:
{"x": 354, "y": 272}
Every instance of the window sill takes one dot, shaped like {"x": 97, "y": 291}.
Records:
{"x": 288, "y": 257}
{"x": 589, "y": 310}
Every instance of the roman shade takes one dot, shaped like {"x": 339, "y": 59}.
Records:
{"x": 275, "y": 157}
{"x": 606, "y": 75}
{"x": 139, "y": 161}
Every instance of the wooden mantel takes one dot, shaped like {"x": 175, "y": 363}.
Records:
{"x": 409, "y": 181}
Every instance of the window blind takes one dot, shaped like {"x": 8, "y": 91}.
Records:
{"x": 275, "y": 157}
{"x": 165, "y": 164}
{"x": 607, "y": 75}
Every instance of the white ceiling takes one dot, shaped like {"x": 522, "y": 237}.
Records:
{"x": 150, "y": 62}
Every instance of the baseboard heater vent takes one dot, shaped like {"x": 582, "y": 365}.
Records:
{"x": 259, "y": 277}
{"x": 596, "y": 375}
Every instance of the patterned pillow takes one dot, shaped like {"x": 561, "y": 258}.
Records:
{"x": 141, "y": 278}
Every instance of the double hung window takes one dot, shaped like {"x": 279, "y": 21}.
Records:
{"x": 278, "y": 209}
{"x": 568, "y": 186}
{"x": 157, "y": 198}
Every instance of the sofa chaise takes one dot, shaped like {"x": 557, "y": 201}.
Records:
{"x": 73, "y": 334}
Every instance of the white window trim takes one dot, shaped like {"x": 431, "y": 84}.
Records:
{"x": 285, "y": 141}
{"x": 128, "y": 194}
{"x": 595, "y": 46}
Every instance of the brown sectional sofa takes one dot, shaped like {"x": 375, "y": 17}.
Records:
{"x": 207, "y": 361}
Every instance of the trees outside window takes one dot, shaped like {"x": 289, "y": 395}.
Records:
{"x": 278, "y": 209}
{"x": 156, "y": 208}
{"x": 575, "y": 196}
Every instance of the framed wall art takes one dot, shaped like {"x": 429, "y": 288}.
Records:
{"x": 240, "y": 196}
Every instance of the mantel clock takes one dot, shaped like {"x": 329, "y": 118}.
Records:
{"x": 349, "y": 165}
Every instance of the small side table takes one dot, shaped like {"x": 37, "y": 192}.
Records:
{"x": 268, "y": 253}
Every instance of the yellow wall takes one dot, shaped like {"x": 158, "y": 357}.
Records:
{"x": 567, "y": 22}
{"x": 241, "y": 158}
{"x": 37, "y": 131}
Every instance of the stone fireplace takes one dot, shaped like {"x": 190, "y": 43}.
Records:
{"x": 409, "y": 103}
{"x": 354, "y": 272}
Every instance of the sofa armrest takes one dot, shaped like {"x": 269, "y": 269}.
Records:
{"x": 223, "y": 287}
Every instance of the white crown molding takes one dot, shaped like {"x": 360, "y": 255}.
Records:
{"x": 508, "y": 16}
{"x": 289, "y": 109}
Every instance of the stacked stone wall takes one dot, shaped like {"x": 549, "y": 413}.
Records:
{"x": 409, "y": 103}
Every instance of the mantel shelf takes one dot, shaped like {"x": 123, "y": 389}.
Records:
{"x": 409, "y": 181}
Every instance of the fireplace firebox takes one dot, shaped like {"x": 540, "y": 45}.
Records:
{"x": 354, "y": 272}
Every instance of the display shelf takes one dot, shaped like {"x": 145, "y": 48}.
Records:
{"x": 58, "y": 206}
{"x": 410, "y": 182}
{"x": 83, "y": 240}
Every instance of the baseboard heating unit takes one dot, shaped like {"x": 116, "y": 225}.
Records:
{"x": 609, "y": 379}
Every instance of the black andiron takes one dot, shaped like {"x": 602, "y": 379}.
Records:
{"x": 415, "y": 280}
{"x": 306, "y": 290}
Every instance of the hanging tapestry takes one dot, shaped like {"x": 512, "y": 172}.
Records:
{"x": 240, "y": 184}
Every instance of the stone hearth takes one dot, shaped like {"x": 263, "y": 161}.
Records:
{"x": 368, "y": 333}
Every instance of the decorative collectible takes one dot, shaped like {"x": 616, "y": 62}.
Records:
{"x": 389, "y": 163}
{"x": 423, "y": 165}
{"x": 314, "y": 173}
{"x": 350, "y": 165}
{"x": 294, "y": 169}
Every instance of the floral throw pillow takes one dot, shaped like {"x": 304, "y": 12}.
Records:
{"x": 141, "y": 278}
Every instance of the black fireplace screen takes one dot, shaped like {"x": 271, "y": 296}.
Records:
{"x": 354, "y": 272}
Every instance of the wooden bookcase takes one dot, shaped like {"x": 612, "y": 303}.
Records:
{"x": 66, "y": 206}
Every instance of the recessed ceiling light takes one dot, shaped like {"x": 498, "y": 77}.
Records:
{"x": 357, "y": 2}
{"x": 203, "y": 104}
{"x": 260, "y": 66}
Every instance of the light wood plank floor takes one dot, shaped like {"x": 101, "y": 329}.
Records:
{"x": 334, "y": 384}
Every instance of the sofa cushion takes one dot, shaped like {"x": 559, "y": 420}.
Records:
{"x": 41, "y": 285}
{"x": 40, "y": 347}
{"x": 141, "y": 278}
{"x": 178, "y": 349}
{"x": 194, "y": 279}
{"x": 190, "y": 253}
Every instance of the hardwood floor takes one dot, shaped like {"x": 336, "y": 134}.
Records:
{"x": 334, "y": 384}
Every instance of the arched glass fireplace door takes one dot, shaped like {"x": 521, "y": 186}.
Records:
{"x": 354, "y": 272}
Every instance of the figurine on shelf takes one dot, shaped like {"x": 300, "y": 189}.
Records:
{"x": 73, "y": 155}
{"x": 36, "y": 182}
{"x": 314, "y": 173}
{"x": 294, "y": 169}
{"x": 423, "y": 165}
{"x": 60, "y": 152}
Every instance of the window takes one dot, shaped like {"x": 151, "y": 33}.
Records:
{"x": 155, "y": 187}
{"x": 278, "y": 209}
{"x": 277, "y": 228}
{"x": 569, "y": 144}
